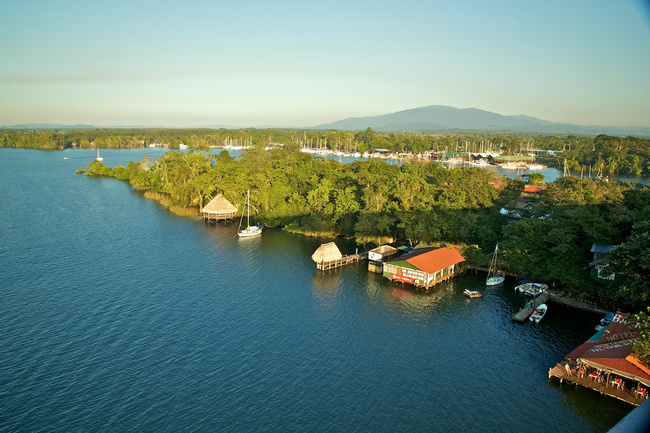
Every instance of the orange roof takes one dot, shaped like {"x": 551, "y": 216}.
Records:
{"x": 534, "y": 189}
{"x": 435, "y": 260}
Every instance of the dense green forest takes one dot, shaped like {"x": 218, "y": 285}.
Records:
{"x": 420, "y": 202}
{"x": 601, "y": 154}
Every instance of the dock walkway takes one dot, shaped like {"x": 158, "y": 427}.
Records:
{"x": 575, "y": 303}
{"x": 345, "y": 260}
{"x": 525, "y": 312}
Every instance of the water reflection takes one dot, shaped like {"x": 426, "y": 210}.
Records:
{"x": 327, "y": 284}
{"x": 418, "y": 301}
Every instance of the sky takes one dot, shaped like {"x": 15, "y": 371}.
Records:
{"x": 302, "y": 63}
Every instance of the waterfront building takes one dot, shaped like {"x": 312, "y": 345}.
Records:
{"x": 605, "y": 363}
{"x": 377, "y": 256}
{"x": 424, "y": 267}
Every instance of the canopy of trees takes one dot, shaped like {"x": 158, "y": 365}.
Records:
{"x": 420, "y": 202}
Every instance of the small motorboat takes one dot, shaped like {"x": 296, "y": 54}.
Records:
{"x": 531, "y": 289}
{"x": 472, "y": 293}
{"x": 605, "y": 321}
{"x": 535, "y": 289}
{"x": 539, "y": 313}
{"x": 608, "y": 318}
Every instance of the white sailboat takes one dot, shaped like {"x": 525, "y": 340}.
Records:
{"x": 249, "y": 230}
{"x": 99, "y": 158}
{"x": 494, "y": 278}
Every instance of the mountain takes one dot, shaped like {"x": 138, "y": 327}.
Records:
{"x": 441, "y": 118}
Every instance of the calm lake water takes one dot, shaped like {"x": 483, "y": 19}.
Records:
{"x": 119, "y": 316}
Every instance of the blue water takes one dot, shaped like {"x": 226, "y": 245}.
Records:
{"x": 119, "y": 316}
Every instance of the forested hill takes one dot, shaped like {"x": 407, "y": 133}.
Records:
{"x": 443, "y": 118}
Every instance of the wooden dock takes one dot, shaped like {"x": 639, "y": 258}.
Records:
{"x": 525, "y": 312}
{"x": 623, "y": 394}
{"x": 575, "y": 303}
{"x": 345, "y": 260}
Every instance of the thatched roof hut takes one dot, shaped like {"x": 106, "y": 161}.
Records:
{"x": 327, "y": 253}
{"x": 219, "y": 209}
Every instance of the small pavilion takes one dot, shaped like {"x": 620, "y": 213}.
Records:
{"x": 219, "y": 209}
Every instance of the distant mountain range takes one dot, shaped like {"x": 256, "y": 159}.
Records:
{"x": 433, "y": 118}
{"x": 441, "y": 118}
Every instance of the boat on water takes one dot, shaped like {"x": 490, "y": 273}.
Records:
{"x": 531, "y": 289}
{"x": 99, "y": 158}
{"x": 480, "y": 163}
{"x": 539, "y": 313}
{"x": 250, "y": 230}
{"x": 510, "y": 166}
{"x": 494, "y": 277}
{"x": 605, "y": 321}
{"x": 472, "y": 293}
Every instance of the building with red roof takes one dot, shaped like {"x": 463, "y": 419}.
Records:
{"x": 533, "y": 189}
{"x": 424, "y": 267}
{"x": 606, "y": 363}
{"x": 610, "y": 349}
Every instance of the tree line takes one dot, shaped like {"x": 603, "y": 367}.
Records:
{"x": 604, "y": 155}
{"x": 420, "y": 202}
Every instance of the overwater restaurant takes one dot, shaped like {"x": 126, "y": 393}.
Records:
{"x": 424, "y": 267}
{"x": 605, "y": 363}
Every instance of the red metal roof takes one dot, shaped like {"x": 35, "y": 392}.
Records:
{"x": 435, "y": 260}
{"x": 613, "y": 348}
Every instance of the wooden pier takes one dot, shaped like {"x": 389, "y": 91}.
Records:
{"x": 561, "y": 372}
{"x": 345, "y": 260}
{"x": 525, "y": 312}
{"x": 575, "y": 303}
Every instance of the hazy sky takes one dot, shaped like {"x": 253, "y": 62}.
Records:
{"x": 302, "y": 63}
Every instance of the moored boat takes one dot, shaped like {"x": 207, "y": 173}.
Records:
{"x": 472, "y": 293}
{"x": 531, "y": 289}
{"x": 605, "y": 321}
{"x": 494, "y": 277}
{"x": 539, "y": 313}
{"x": 250, "y": 230}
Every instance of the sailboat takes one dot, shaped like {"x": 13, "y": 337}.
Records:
{"x": 99, "y": 158}
{"x": 494, "y": 278}
{"x": 249, "y": 230}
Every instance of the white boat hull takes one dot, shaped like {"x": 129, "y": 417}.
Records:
{"x": 539, "y": 313}
{"x": 250, "y": 231}
{"x": 494, "y": 281}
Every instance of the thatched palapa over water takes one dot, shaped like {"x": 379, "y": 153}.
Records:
{"x": 219, "y": 209}
{"x": 327, "y": 253}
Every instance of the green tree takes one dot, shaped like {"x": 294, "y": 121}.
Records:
{"x": 631, "y": 260}
{"x": 641, "y": 347}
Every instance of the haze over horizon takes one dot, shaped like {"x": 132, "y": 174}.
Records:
{"x": 296, "y": 64}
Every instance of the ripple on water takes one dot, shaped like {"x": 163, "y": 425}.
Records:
{"x": 118, "y": 316}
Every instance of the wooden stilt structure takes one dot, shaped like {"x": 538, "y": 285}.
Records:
{"x": 561, "y": 372}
